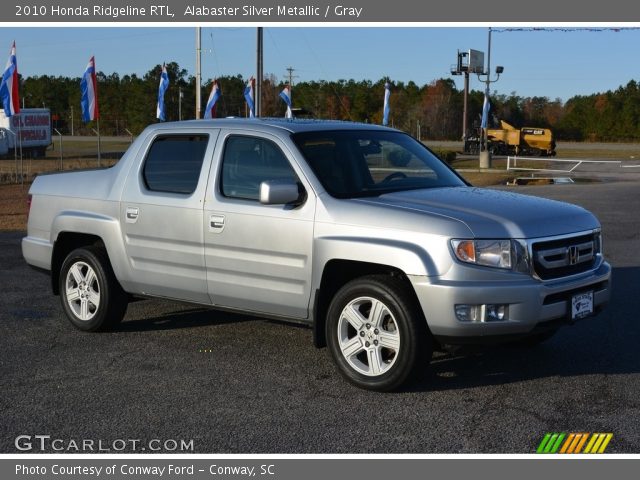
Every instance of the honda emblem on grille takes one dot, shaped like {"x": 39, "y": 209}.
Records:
{"x": 573, "y": 254}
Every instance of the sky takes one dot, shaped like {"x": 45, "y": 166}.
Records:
{"x": 553, "y": 64}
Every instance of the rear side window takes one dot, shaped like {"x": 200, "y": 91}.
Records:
{"x": 174, "y": 163}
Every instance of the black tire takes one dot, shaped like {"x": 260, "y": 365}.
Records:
{"x": 386, "y": 350}
{"x": 91, "y": 297}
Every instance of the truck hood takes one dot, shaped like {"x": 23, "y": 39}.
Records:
{"x": 493, "y": 213}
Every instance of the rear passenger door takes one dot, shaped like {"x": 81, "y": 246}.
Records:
{"x": 161, "y": 214}
{"x": 258, "y": 257}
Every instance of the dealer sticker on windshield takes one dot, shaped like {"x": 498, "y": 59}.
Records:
{"x": 581, "y": 305}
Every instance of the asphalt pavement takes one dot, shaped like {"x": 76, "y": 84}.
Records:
{"x": 237, "y": 384}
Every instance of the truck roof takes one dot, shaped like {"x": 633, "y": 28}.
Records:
{"x": 269, "y": 124}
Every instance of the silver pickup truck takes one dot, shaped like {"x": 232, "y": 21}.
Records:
{"x": 357, "y": 230}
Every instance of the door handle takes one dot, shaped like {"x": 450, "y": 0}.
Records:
{"x": 132, "y": 214}
{"x": 216, "y": 223}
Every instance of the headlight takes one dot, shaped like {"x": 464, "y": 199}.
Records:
{"x": 498, "y": 253}
{"x": 597, "y": 240}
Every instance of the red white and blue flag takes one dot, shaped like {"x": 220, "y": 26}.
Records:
{"x": 164, "y": 84}
{"x": 9, "y": 85}
{"x": 89, "y": 89}
{"x": 285, "y": 95}
{"x": 214, "y": 96}
{"x": 249, "y": 96}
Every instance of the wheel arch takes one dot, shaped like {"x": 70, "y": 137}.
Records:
{"x": 337, "y": 273}
{"x": 75, "y": 229}
{"x": 65, "y": 243}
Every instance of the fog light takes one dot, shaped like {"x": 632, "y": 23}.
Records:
{"x": 495, "y": 313}
{"x": 469, "y": 313}
{"x": 482, "y": 313}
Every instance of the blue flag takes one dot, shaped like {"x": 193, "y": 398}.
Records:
{"x": 385, "y": 109}
{"x": 248, "y": 96}
{"x": 486, "y": 106}
{"x": 285, "y": 95}
{"x": 9, "y": 85}
{"x": 164, "y": 84}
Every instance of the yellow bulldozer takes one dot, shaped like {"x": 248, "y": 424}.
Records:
{"x": 526, "y": 141}
{"x": 508, "y": 140}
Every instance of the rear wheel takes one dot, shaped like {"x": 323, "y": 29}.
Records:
{"x": 375, "y": 333}
{"x": 91, "y": 296}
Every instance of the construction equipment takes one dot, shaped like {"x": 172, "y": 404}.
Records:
{"x": 508, "y": 140}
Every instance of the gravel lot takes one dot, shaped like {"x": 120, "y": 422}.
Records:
{"x": 235, "y": 384}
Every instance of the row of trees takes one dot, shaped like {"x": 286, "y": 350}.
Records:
{"x": 127, "y": 103}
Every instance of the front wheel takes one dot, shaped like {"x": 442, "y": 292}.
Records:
{"x": 375, "y": 333}
{"x": 91, "y": 296}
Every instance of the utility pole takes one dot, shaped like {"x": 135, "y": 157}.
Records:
{"x": 462, "y": 68}
{"x": 291, "y": 76}
{"x": 485, "y": 154}
{"x": 198, "y": 72}
{"x": 259, "y": 59}
{"x": 465, "y": 108}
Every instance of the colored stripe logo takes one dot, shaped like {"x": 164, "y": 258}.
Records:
{"x": 574, "y": 443}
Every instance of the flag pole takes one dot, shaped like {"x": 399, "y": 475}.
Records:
{"x": 20, "y": 143}
{"x": 98, "y": 126}
{"x": 15, "y": 154}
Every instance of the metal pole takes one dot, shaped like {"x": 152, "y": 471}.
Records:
{"x": 20, "y": 142}
{"x": 489, "y": 59}
{"x": 488, "y": 83}
{"x": 99, "y": 146}
{"x": 464, "y": 108}
{"x": 179, "y": 103}
{"x": 60, "y": 136}
{"x": 97, "y": 132}
{"x": 72, "y": 121}
{"x": 258, "y": 99}
{"x": 485, "y": 154}
{"x": 198, "y": 72}
{"x": 15, "y": 150}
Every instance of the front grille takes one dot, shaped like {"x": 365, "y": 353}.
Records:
{"x": 565, "y": 256}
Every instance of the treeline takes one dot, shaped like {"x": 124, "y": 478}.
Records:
{"x": 128, "y": 104}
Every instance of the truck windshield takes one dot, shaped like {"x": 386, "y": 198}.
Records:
{"x": 361, "y": 163}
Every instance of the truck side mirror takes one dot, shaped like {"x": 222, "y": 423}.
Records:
{"x": 279, "y": 192}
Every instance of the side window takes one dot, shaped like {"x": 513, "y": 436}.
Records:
{"x": 249, "y": 161}
{"x": 174, "y": 162}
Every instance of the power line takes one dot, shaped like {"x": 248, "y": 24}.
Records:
{"x": 564, "y": 29}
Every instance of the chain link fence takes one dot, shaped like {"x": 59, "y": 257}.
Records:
{"x": 64, "y": 153}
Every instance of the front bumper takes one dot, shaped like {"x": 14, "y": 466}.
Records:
{"x": 533, "y": 304}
